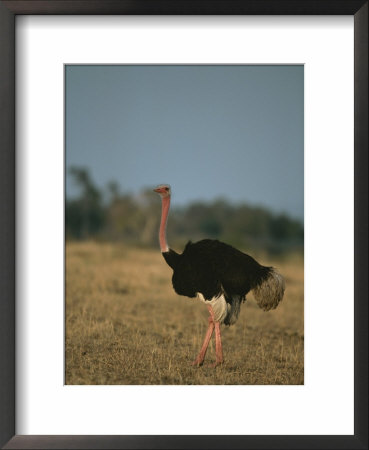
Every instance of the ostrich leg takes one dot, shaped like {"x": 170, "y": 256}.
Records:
{"x": 218, "y": 345}
{"x": 201, "y": 356}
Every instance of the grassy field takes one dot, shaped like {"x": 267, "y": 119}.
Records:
{"x": 126, "y": 325}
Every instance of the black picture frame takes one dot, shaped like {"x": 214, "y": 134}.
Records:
{"x": 8, "y": 12}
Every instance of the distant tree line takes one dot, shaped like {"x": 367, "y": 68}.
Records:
{"x": 115, "y": 216}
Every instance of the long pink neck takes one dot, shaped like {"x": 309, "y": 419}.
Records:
{"x": 165, "y": 203}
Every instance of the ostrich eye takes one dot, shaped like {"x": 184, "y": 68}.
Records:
{"x": 167, "y": 189}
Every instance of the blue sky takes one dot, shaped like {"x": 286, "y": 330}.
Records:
{"x": 210, "y": 131}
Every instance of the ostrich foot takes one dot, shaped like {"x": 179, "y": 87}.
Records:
{"x": 215, "y": 364}
{"x": 200, "y": 363}
{"x": 197, "y": 362}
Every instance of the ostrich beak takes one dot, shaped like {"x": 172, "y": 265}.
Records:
{"x": 156, "y": 190}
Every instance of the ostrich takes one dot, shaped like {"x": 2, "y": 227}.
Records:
{"x": 220, "y": 276}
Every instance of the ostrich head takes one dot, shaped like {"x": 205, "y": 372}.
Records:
{"x": 163, "y": 190}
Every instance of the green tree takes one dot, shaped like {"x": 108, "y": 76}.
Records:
{"x": 84, "y": 215}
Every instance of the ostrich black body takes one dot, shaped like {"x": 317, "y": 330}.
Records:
{"x": 213, "y": 268}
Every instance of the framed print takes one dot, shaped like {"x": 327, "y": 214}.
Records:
{"x": 180, "y": 98}
{"x": 59, "y": 394}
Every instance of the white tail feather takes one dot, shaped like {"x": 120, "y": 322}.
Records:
{"x": 270, "y": 292}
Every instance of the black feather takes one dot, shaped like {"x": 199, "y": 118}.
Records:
{"x": 213, "y": 268}
{"x": 171, "y": 257}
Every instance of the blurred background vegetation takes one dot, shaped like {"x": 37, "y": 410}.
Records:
{"x": 133, "y": 218}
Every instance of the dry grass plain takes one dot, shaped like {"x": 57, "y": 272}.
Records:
{"x": 125, "y": 325}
